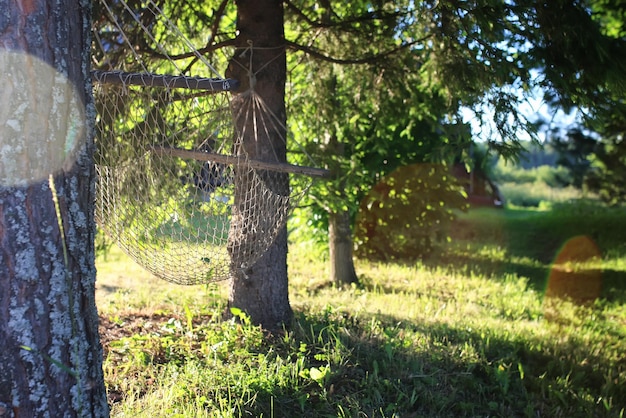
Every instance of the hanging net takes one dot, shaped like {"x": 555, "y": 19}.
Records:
{"x": 176, "y": 189}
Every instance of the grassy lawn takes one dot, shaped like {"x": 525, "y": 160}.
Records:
{"x": 466, "y": 332}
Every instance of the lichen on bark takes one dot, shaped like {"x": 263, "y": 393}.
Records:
{"x": 51, "y": 357}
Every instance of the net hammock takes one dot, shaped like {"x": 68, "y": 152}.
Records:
{"x": 175, "y": 187}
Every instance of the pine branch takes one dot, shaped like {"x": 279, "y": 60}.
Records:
{"x": 345, "y": 23}
{"x": 217, "y": 18}
{"x": 348, "y": 61}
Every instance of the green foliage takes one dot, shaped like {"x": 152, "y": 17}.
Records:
{"x": 611, "y": 16}
{"x": 592, "y": 156}
{"x": 305, "y": 230}
{"x": 583, "y": 66}
{"x": 407, "y": 212}
{"x": 596, "y": 85}
{"x": 196, "y": 21}
{"x": 384, "y": 110}
{"x": 574, "y": 151}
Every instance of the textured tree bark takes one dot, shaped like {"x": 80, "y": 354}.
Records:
{"x": 340, "y": 247}
{"x": 260, "y": 290}
{"x": 50, "y": 352}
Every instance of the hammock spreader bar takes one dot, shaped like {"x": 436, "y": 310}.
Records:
{"x": 227, "y": 159}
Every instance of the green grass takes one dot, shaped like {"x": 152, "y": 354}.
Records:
{"x": 525, "y": 242}
{"x": 466, "y": 332}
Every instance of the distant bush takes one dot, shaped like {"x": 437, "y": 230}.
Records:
{"x": 536, "y": 194}
{"x": 552, "y": 176}
{"x": 503, "y": 173}
{"x": 534, "y": 187}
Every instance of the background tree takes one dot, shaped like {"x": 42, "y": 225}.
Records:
{"x": 608, "y": 121}
{"x": 595, "y": 161}
{"x": 607, "y": 175}
{"x": 51, "y": 357}
{"x": 380, "y": 100}
{"x": 574, "y": 150}
{"x": 487, "y": 56}
{"x": 370, "y": 119}
{"x": 590, "y": 77}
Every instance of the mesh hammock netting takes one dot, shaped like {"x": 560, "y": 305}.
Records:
{"x": 176, "y": 189}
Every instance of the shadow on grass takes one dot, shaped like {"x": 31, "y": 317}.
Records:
{"x": 382, "y": 367}
{"x": 108, "y": 289}
{"x": 613, "y": 281}
{"x": 332, "y": 363}
{"x": 493, "y": 242}
{"x": 614, "y": 285}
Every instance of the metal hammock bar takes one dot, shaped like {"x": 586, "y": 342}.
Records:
{"x": 168, "y": 81}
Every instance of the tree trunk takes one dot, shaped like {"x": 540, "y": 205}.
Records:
{"x": 260, "y": 290}
{"x": 340, "y": 245}
{"x": 50, "y": 352}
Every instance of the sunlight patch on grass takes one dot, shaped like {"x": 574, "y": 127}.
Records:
{"x": 122, "y": 284}
{"x": 422, "y": 296}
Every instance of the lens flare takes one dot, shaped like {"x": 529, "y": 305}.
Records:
{"x": 42, "y": 120}
{"x": 570, "y": 275}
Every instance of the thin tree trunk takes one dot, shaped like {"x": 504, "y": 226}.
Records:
{"x": 50, "y": 352}
{"x": 261, "y": 290}
{"x": 340, "y": 245}
{"x": 342, "y": 269}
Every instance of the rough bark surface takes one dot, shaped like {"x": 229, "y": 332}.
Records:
{"x": 340, "y": 246}
{"x": 50, "y": 353}
{"x": 259, "y": 64}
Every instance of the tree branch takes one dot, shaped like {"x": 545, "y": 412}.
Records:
{"x": 344, "y": 23}
{"x": 167, "y": 81}
{"x": 206, "y": 49}
{"x": 364, "y": 60}
{"x": 299, "y": 12}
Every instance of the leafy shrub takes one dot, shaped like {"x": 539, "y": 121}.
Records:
{"x": 305, "y": 230}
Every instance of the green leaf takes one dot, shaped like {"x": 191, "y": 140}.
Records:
{"x": 319, "y": 375}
